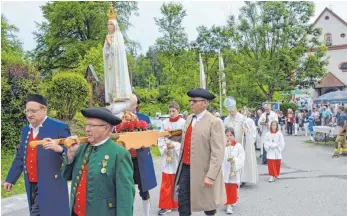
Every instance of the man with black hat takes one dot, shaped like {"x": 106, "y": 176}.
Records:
{"x": 101, "y": 171}
{"x": 46, "y": 190}
{"x": 199, "y": 183}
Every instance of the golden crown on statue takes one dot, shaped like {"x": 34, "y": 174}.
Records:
{"x": 111, "y": 13}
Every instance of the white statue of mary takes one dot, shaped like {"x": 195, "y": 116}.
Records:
{"x": 118, "y": 92}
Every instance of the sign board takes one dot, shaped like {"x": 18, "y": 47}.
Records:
{"x": 274, "y": 105}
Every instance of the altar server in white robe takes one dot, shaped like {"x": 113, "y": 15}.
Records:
{"x": 169, "y": 150}
{"x": 245, "y": 135}
{"x": 274, "y": 145}
{"x": 234, "y": 158}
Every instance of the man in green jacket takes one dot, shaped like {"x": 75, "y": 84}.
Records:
{"x": 101, "y": 170}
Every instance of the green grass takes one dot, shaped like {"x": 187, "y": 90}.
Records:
{"x": 6, "y": 162}
{"x": 327, "y": 143}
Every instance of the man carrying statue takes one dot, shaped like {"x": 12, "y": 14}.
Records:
{"x": 245, "y": 134}
{"x": 100, "y": 170}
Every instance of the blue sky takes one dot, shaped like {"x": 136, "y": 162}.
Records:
{"x": 23, "y": 14}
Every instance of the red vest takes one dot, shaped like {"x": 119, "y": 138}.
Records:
{"x": 31, "y": 162}
{"x": 187, "y": 144}
{"x": 81, "y": 194}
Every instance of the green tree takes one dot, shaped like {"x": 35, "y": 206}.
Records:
{"x": 273, "y": 40}
{"x": 9, "y": 40}
{"x": 72, "y": 29}
{"x": 208, "y": 42}
{"x": 18, "y": 79}
{"x": 173, "y": 40}
{"x": 142, "y": 69}
{"x": 68, "y": 93}
{"x": 93, "y": 57}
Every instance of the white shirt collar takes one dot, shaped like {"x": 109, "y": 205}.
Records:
{"x": 200, "y": 115}
{"x": 32, "y": 127}
{"x": 102, "y": 142}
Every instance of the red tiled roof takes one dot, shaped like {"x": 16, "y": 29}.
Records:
{"x": 330, "y": 80}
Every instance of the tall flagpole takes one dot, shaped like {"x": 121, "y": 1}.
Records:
{"x": 202, "y": 74}
{"x": 220, "y": 84}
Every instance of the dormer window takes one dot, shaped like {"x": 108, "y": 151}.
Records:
{"x": 328, "y": 39}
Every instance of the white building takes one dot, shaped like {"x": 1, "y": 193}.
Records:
{"x": 334, "y": 33}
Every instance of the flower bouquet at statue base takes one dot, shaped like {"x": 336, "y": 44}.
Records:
{"x": 133, "y": 133}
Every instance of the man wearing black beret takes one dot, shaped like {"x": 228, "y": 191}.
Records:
{"x": 46, "y": 190}
{"x": 101, "y": 171}
{"x": 199, "y": 184}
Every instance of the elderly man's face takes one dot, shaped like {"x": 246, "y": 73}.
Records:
{"x": 97, "y": 130}
{"x": 35, "y": 113}
{"x": 233, "y": 112}
{"x": 267, "y": 109}
{"x": 198, "y": 104}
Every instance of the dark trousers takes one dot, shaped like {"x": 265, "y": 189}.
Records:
{"x": 290, "y": 128}
{"x": 137, "y": 179}
{"x": 184, "y": 193}
{"x": 264, "y": 156}
{"x": 34, "y": 199}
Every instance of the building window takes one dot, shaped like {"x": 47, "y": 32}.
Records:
{"x": 327, "y": 17}
{"x": 328, "y": 39}
{"x": 343, "y": 35}
{"x": 343, "y": 66}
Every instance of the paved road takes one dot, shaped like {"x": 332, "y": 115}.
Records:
{"x": 312, "y": 184}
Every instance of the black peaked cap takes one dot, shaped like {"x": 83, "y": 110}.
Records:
{"x": 103, "y": 114}
{"x": 200, "y": 92}
{"x": 38, "y": 99}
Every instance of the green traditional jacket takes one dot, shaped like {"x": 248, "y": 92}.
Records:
{"x": 110, "y": 184}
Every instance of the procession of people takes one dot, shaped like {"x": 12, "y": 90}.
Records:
{"x": 202, "y": 169}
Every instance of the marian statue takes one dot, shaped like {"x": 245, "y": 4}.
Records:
{"x": 118, "y": 91}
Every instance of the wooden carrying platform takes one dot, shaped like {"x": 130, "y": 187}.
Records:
{"x": 129, "y": 140}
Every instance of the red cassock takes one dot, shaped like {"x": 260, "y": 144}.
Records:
{"x": 274, "y": 167}
{"x": 166, "y": 197}
{"x": 231, "y": 191}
